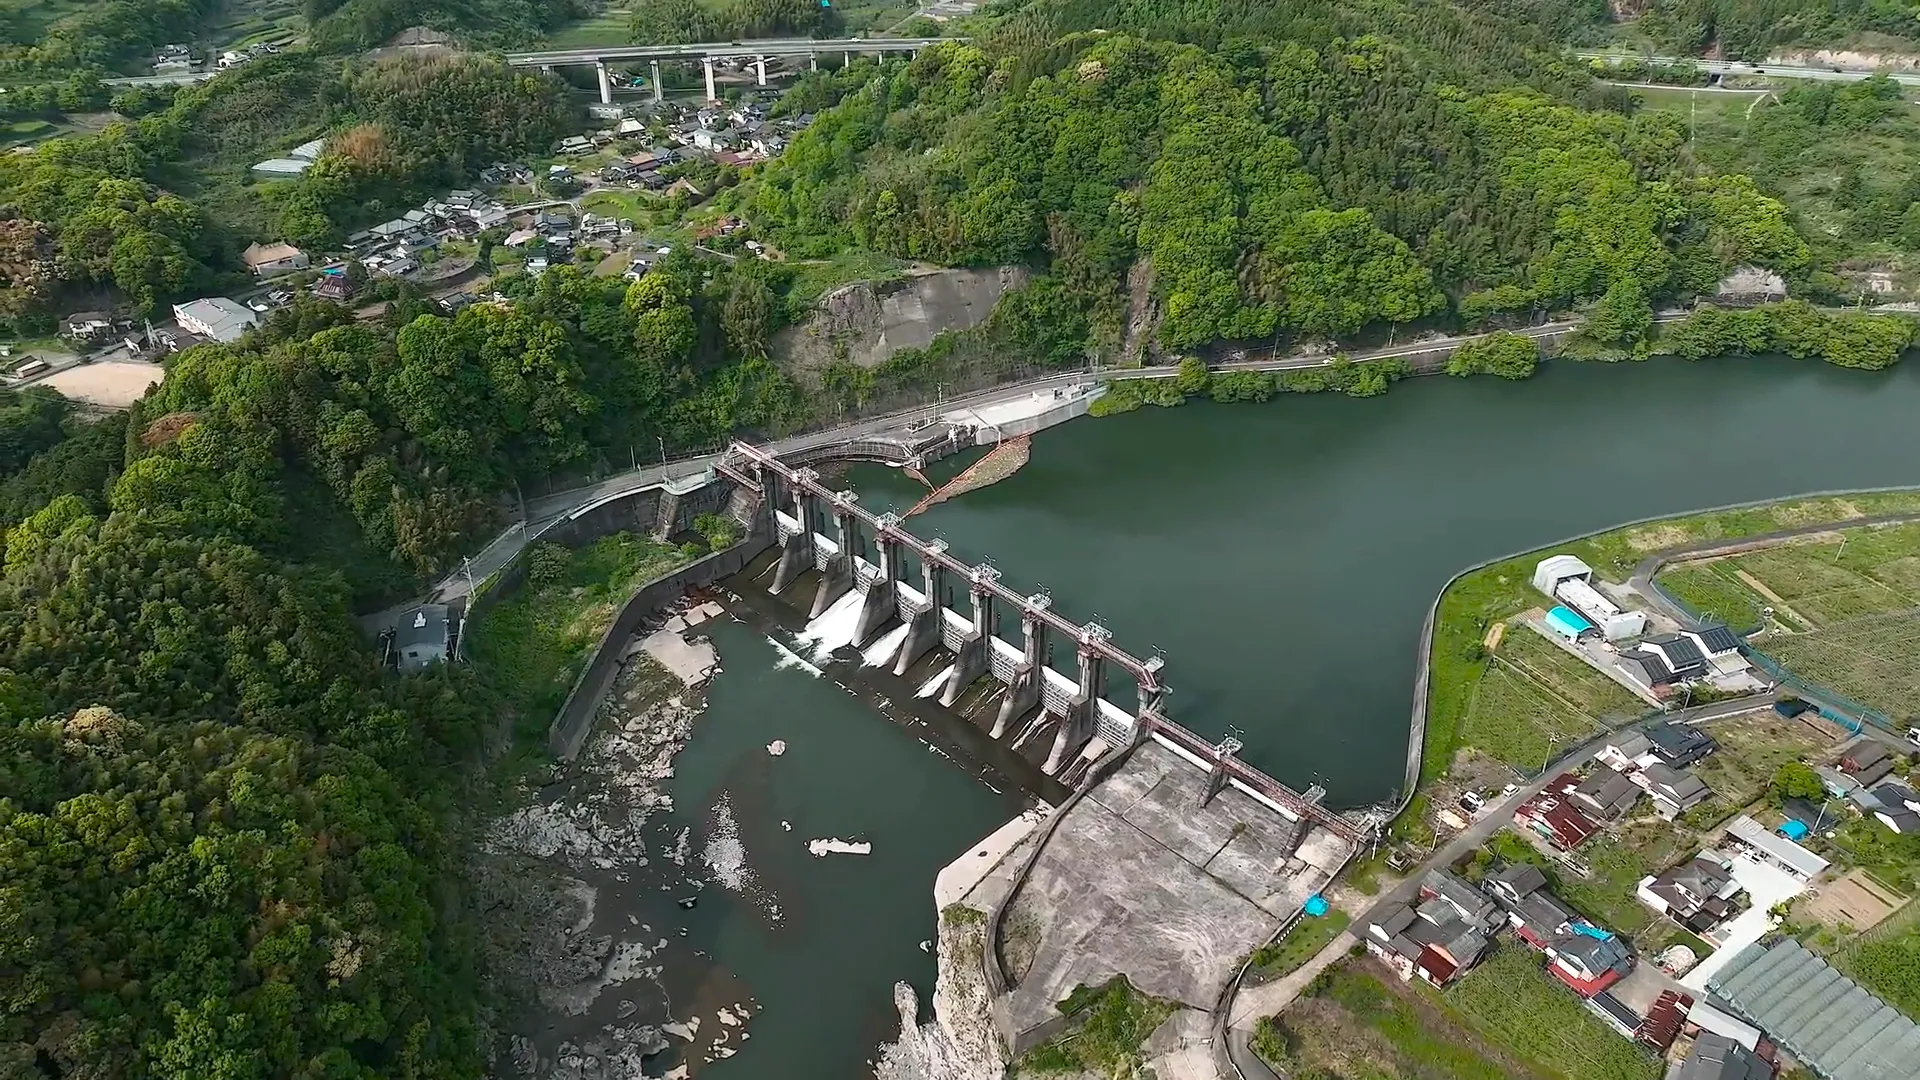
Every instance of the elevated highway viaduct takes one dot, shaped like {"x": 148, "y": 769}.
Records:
{"x": 708, "y": 52}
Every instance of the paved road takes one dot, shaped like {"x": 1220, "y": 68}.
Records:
{"x": 1784, "y": 71}
{"x": 182, "y": 79}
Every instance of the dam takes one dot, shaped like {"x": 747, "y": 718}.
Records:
{"x": 1170, "y": 860}
{"x": 1071, "y": 716}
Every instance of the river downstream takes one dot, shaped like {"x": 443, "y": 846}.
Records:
{"x": 1282, "y": 556}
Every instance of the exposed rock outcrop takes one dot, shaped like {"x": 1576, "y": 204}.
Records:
{"x": 867, "y": 322}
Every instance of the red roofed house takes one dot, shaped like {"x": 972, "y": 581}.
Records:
{"x": 1552, "y": 816}
{"x": 1663, "y": 1021}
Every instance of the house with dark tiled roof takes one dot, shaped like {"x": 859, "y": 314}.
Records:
{"x": 1606, "y": 793}
{"x": 1697, "y": 894}
{"x": 1678, "y": 745}
{"x": 1444, "y": 933}
{"x": 1716, "y": 1057}
{"x": 1579, "y": 954}
{"x": 1674, "y": 792}
{"x": 1867, "y": 762}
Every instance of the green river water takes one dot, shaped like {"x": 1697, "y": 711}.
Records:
{"x": 1282, "y": 556}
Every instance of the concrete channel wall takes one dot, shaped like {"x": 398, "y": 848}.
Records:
{"x": 571, "y": 725}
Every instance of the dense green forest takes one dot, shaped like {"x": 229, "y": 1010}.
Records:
{"x": 1752, "y": 29}
{"x": 672, "y": 21}
{"x": 1281, "y": 192}
{"x": 55, "y": 37}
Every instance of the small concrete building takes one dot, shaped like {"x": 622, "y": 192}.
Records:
{"x": 1777, "y": 850}
{"x": 216, "y": 317}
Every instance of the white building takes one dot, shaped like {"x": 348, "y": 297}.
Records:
{"x": 1557, "y": 568}
{"x": 216, "y": 317}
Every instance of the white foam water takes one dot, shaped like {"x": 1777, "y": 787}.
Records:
{"x": 932, "y": 686}
{"x": 882, "y": 652}
{"x": 791, "y": 659}
{"x": 834, "y": 629}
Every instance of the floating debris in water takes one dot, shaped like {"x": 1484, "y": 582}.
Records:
{"x": 777, "y": 747}
{"x": 725, "y": 855}
{"x": 837, "y": 846}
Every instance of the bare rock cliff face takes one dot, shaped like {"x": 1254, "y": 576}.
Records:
{"x": 961, "y": 1043}
{"x": 867, "y": 322}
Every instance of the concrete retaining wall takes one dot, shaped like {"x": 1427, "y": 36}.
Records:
{"x": 570, "y": 726}
{"x": 1059, "y": 414}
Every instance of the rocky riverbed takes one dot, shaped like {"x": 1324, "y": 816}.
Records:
{"x": 582, "y": 886}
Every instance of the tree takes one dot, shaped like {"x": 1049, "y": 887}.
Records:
{"x": 1193, "y": 377}
{"x": 1508, "y": 355}
{"x": 1797, "y": 780}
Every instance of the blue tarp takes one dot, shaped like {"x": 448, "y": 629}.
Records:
{"x": 1316, "y": 905}
{"x": 1565, "y": 621}
{"x": 1792, "y": 830}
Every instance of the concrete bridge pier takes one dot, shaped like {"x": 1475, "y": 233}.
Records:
{"x": 813, "y": 62}
{"x": 1152, "y": 694}
{"x": 923, "y": 627}
{"x": 760, "y": 69}
{"x": 1079, "y": 724}
{"x": 882, "y": 604}
{"x": 659, "y": 91}
{"x": 711, "y": 96}
{"x": 796, "y": 550}
{"x": 837, "y": 573}
{"x": 973, "y": 658}
{"x": 1023, "y": 693}
{"x": 606, "y": 82}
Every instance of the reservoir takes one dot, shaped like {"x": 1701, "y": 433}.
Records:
{"x": 1281, "y": 556}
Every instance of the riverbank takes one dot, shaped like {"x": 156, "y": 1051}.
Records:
{"x": 584, "y": 892}
{"x": 1455, "y": 658}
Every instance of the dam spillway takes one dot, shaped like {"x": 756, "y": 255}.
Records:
{"x": 1072, "y": 717}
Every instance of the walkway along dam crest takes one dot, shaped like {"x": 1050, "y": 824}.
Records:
{"x": 1041, "y": 706}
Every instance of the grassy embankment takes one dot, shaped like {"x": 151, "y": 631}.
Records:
{"x": 1476, "y": 600}
{"x": 534, "y": 644}
{"x": 1301, "y": 944}
{"x": 1111, "y": 1022}
{"x": 1507, "y": 1020}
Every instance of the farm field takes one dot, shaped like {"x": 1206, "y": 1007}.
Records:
{"x": 1359, "y": 1021}
{"x": 1846, "y": 607}
{"x": 1536, "y": 699}
{"x": 1752, "y": 749}
{"x": 1873, "y": 660}
{"x": 1514, "y": 1003}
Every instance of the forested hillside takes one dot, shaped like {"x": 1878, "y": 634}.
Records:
{"x": 1752, "y": 29}
{"x": 1285, "y": 191}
